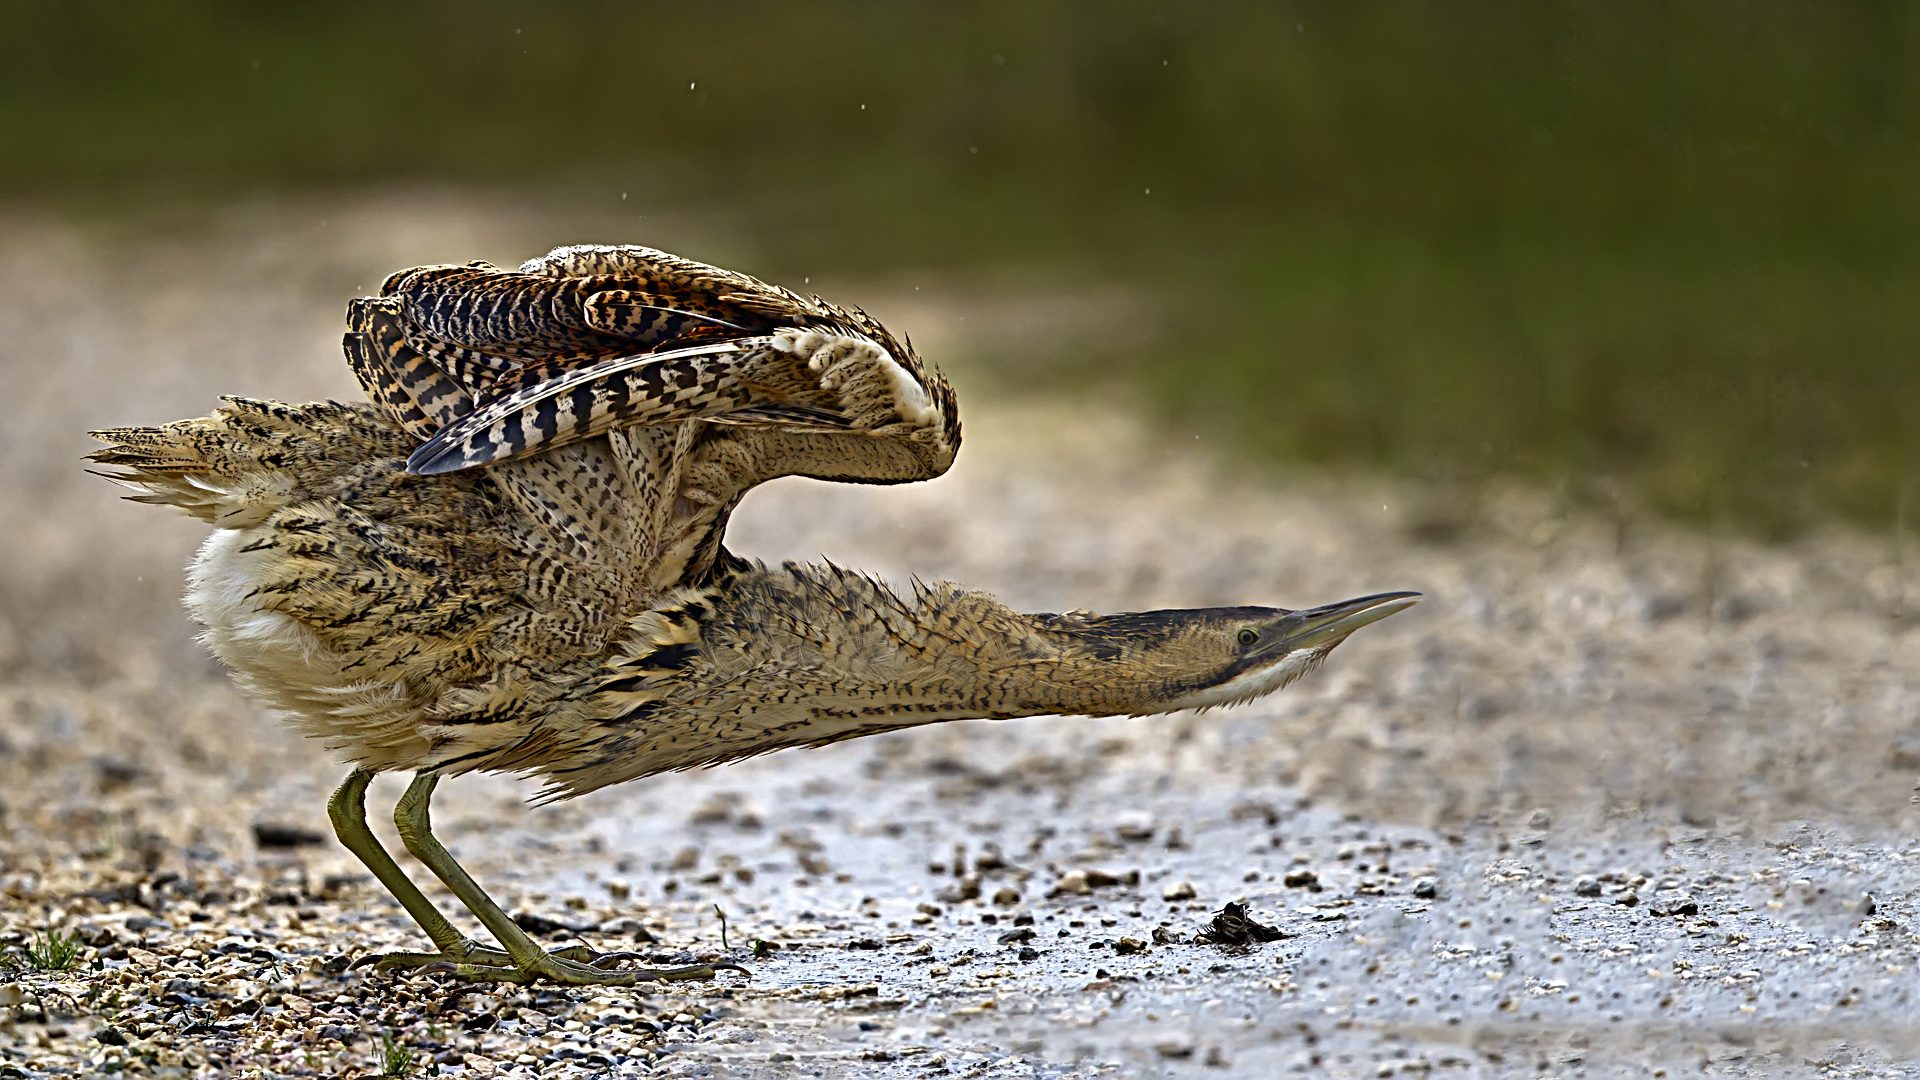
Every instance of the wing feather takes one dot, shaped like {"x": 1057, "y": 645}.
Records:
{"x": 488, "y": 365}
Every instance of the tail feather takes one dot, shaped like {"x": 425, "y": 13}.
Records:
{"x": 237, "y": 466}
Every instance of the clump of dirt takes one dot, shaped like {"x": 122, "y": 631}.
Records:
{"x": 1234, "y": 927}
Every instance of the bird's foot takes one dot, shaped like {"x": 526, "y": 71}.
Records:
{"x": 571, "y": 972}
{"x": 472, "y": 953}
{"x": 873, "y": 388}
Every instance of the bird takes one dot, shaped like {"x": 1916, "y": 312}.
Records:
{"x": 510, "y": 559}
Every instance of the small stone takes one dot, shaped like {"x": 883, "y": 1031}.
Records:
{"x": 1540, "y": 819}
{"x": 1072, "y": 883}
{"x": 1127, "y": 946}
{"x": 619, "y": 888}
{"x": 990, "y": 859}
{"x": 93, "y": 934}
{"x": 1163, "y": 936}
{"x": 1586, "y": 885}
{"x": 1426, "y": 888}
{"x": 1135, "y": 826}
{"x": 1175, "y": 1048}
{"x": 939, "y": 971}
{"x": 13, "y": 994}
{"x": 1301, "y": 879}
{"x": 933, "y": 910}
{"x": 1180, "y": 890}
{"x": 1673, "y": 902}
{"x": 1015, "y": 937}
{"x": 627, "y": 926}
{"x": 1006, "y": 896}
{"x": 967, "y": 889}
{"x": 1029, "y": 953}
{"x": 1627, "y": 898}
{"x": 144, "y": 959}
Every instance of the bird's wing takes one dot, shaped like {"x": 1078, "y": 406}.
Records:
{"x": 488, "y": 365}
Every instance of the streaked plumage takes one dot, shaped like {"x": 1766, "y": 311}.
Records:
{"x": 568, "y": 610}
{"x": 488, "y": 365}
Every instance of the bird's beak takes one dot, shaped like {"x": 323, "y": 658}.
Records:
{"x": 1329, "y": 624}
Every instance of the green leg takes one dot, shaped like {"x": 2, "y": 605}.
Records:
{"x": 525, "y": 960}
{"x": 348, "y": 810}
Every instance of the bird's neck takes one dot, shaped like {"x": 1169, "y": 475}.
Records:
{"x": 765, "y": 658}
{"x": 888, "y": 659}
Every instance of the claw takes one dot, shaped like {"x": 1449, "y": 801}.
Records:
{"x": 367, "y": 961}
{"x": 441, "y": 967}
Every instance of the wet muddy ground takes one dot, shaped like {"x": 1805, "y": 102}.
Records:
{"x": 1617, "y": 799}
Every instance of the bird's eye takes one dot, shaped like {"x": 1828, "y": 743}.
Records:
{"x": 1248, "y": 637}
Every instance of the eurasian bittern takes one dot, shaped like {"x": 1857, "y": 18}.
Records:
{"x": 568, "y": 610}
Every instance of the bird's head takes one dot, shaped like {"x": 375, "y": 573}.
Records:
{"x": 1197, "y": 658}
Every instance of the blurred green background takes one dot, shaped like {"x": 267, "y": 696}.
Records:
{"x": 1660, "y": 253}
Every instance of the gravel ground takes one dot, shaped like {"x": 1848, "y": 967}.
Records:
{"x": 1617, "y": 799}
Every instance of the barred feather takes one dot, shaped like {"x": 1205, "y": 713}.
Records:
{"x": 488, "y": 365}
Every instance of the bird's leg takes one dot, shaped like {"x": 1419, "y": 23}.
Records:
{"x": 526, "y": 961}
{"x": 348, "y": 811}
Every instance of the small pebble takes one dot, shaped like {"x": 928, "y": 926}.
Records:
{"x": 1135, "y": 826}
{"x": 1072, "y": 883}
{"x": 1180, "y": 890}
{"x": 1673, "y": 902}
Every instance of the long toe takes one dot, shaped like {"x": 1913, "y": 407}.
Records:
{"x": 401, "y": 961}
{"x": 576, "y": 965}
{"x": 608, "y": 959}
